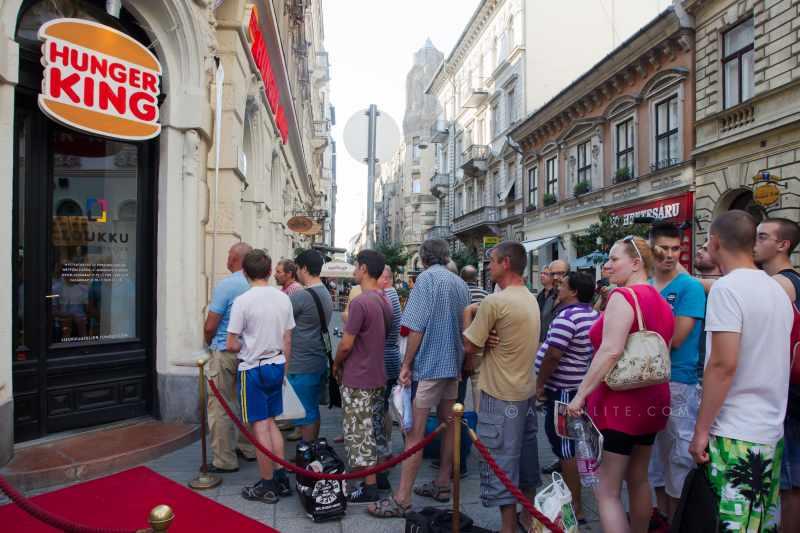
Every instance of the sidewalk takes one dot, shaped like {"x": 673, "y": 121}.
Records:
{"x": 288, "y": 516}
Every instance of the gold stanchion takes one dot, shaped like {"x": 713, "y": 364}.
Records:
{"x": 160, "y": 518}
{"x": 458, "y": 416}
{"x": 204, "y": 480}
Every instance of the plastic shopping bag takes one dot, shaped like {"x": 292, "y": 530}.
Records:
{"x": 555, "y": 502}
{"x": 400, "y": 407}
{"x": 292, "y": 407}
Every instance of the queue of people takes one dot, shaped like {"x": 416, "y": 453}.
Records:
{"x": 727, "y": 403}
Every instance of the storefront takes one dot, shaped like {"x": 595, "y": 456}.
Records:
{"x": 676, "y": 209}
{"x": 85, "y": 182}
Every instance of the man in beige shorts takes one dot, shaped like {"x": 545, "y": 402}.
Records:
{"x": 432, "y": 366}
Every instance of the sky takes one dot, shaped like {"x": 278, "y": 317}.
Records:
{"x": 371, "y": 45}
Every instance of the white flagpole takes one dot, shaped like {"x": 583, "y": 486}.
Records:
{"x": 219, "y": 80}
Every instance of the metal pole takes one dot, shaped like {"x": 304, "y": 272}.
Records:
{"x": 458, "y": 416}
{"x": 204, "y": 480}
{"x": 219, "y": 81}
{"x": 372, "y": 113}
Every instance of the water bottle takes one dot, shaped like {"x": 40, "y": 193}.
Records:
{"x": 584, "y": 456}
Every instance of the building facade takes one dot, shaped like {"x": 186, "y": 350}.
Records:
{"x": 405, "y": 209}
{"x": 498, "y": 73}
{"x": 618, "y": 140}
{"x": 747, "y": 96}
{"x": 116, "y": 243}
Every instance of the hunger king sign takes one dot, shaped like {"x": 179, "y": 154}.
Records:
{"x": 99, "y": 80}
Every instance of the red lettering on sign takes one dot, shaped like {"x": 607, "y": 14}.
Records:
{"x": 117, "y": 72}
{"x": 149, "y": 82}
{"x": 56, "y": 54}
{"x": 79, "y": 60}
{"x": 98, "y": 66}
{"x": 258, "y": 49}
{"x": 134, "y": 78}
{"x": 88, "y": 91}
{"x": 143, "y": 106}
{"x": 108, "y": 96}
{"x": 65, "y": 85}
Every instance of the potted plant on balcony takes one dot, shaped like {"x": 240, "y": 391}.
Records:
{"x": 582, "y": 187}
{"x": 549, "y": 199}
{"x": 623, "y": 174}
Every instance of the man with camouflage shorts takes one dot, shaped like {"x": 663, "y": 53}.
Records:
{"x": 359, "y": 368}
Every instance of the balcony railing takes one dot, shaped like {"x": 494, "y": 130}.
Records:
{"x": 475, "y": 159}
{"x": 482, "y": 216}
{"x": 322, "y": 130}
{"x": 438, "y": 232}
{"x": 476, "y": 97}
{"x": 322, "y": 70}
{"x": 439, "y": 132}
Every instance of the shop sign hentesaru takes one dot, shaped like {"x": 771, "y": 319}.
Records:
{"x": 99, "y": 80}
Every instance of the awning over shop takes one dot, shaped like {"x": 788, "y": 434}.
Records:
{"x": 533, "y": 245}
{"x": 589, "y": 260}
{"x": 337, "y": 269}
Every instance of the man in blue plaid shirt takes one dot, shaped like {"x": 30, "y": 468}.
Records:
{"x": 432, "y": 367}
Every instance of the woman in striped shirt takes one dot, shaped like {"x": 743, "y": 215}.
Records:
{"x": 561, "y": 363}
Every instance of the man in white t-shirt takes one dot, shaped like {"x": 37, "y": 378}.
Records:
{"x": 260, "y": 333}
{"x": 739, "y": 430}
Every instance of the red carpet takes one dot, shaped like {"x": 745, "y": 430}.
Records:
{"x": 124, "y": 500}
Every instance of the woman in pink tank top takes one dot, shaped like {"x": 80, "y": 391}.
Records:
{"x": 629, "y": 420}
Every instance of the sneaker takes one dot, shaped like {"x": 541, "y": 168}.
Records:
{"x": 263, "y": 491}
{"x": 555, "y": 467}
{"x": 282, "y": 483}
{"x": 363, "y": 494}
{"x": 383, "y": 482}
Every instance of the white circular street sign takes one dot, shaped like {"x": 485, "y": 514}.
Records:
{"x": 387, "y": 136}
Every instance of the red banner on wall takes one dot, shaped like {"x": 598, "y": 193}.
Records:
{"x": 677, "y": 209}
{"x": 258, "y": 48}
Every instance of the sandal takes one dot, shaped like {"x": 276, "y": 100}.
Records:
{"x": 432, "y": 490}
{"x": 388, "y": 508}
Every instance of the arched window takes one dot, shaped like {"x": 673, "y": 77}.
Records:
{"x": 34, "y": 14}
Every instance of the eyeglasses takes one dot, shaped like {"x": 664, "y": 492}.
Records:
{"x": 558, "y": 274}
{"x": 632, "y": 239}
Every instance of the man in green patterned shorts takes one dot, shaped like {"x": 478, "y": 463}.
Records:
{"x": 739, "y": 430}
{"x": 359, "y": 368}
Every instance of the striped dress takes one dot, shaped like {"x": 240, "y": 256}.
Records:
{"x": 569, "y": 332}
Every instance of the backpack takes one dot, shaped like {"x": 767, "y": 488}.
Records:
{"x": 794, "y": 337}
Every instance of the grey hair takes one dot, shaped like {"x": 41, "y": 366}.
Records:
{"x": 241, "y": 249}
{"x": 434, "y": 252}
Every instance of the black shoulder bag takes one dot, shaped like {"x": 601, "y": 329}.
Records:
{"x": 334, "y": 395}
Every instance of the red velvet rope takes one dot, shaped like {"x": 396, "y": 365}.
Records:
{"x": 51, "y": 520}
{"x": 319, "y": 475}
{"x": 513, "y": 489}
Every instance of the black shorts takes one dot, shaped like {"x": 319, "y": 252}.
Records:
{"x": 622, "y": 443}
{"x": 562, "y": 448}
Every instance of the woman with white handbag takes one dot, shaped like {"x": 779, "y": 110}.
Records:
{"x": 626, "y": 390}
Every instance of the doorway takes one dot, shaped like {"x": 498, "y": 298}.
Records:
{"x": 84, "y": 241}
